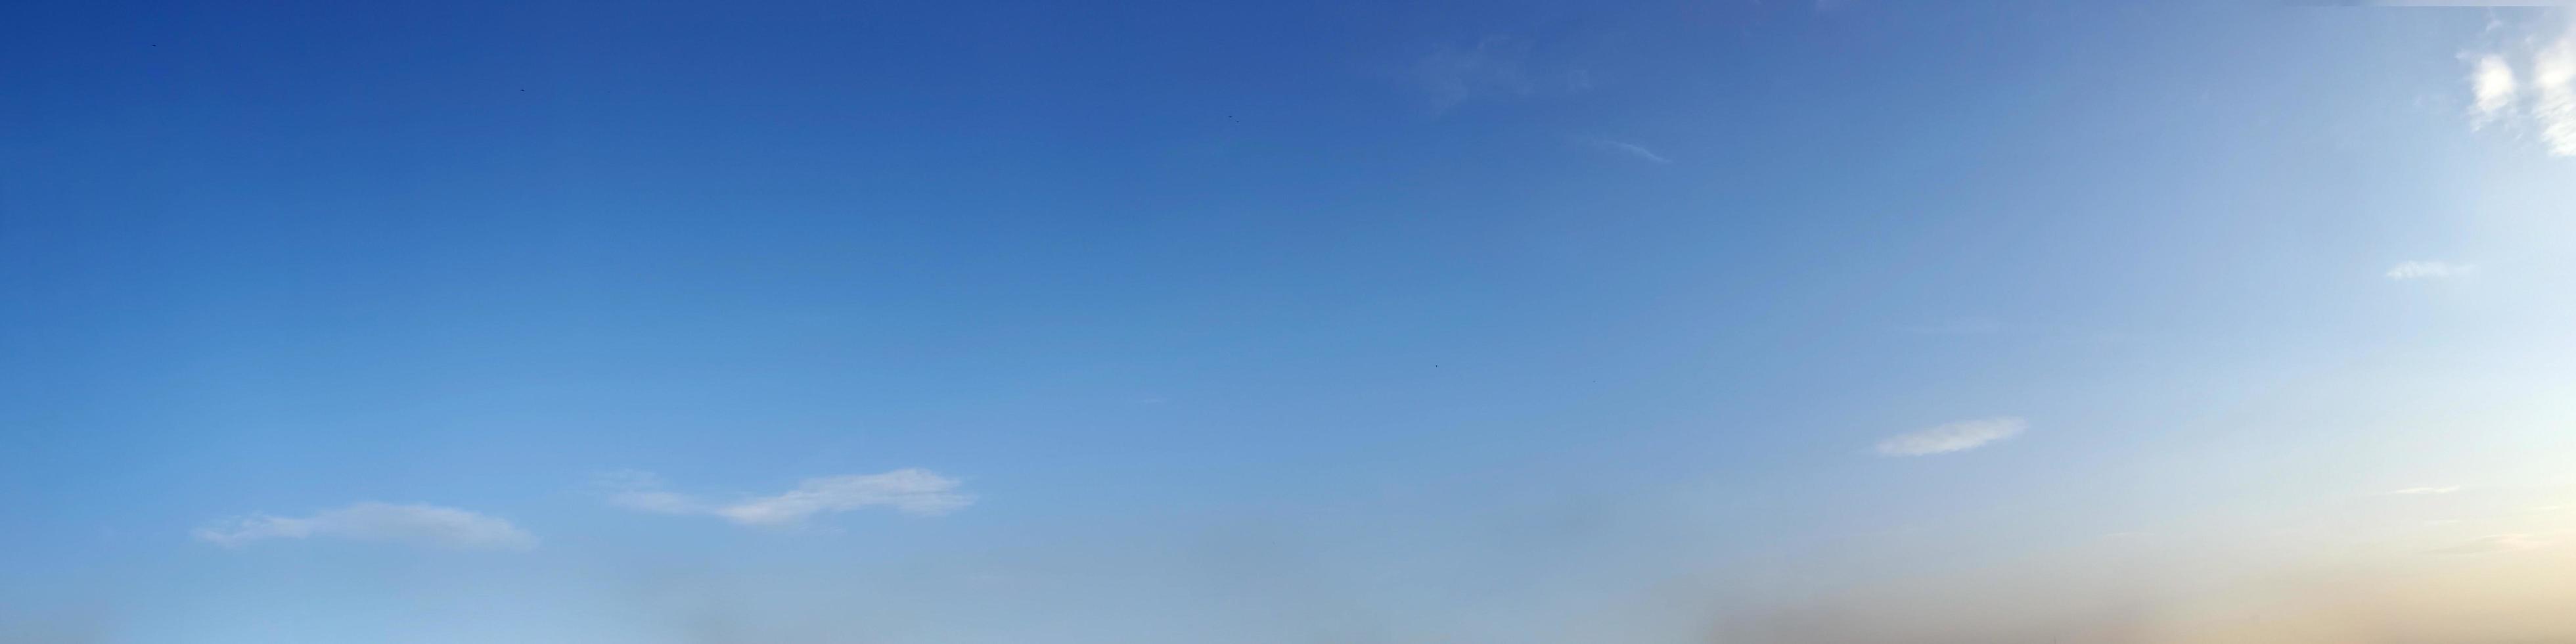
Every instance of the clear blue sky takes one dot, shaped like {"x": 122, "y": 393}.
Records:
{"x": 1281, "y": 322}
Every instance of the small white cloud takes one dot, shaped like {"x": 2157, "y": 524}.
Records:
{"x": 2429, "y": 270}
{"x": 2445, "y": 489}
{"x": 1953, "y": 437}
{"x": 2493, "y": 87}
{"x": 2494, "y": 543}
{"x": 1622, "y": 147}
{"x": 424, "y": 525}
{"x": 910, "y": 490}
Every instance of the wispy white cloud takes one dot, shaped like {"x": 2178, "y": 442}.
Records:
{"x": 2528, "y": 86}
{"x": 1953, "y": 437}
{"x": 1622, "y": 147}
{"x": 2494, "y": 543}
{"x": 643, "y": 491}
{"x": 911, "y": 490}
{"x": 1497, "y": 66}
{"x": 2553, "y": 95}
{"x": 2445, "y": 489}
{"x": 2411, "y": 270}
{"x": 424, "y": 525}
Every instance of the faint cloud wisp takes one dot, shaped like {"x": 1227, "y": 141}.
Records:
{"x": 1496, "y": 66}
{"x": 425, "y": 525}
{"x": 2412, "y": 270}
{"x": 1953, "y": 437}
{"x": 909, "y": 490}
{"x": 1631, "y": 150}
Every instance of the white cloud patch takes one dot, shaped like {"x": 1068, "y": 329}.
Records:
{"x": 2528, "y": 87}
{"x": 1953, "y": 437}
{"x": 910, "y": 490}
{"x": 2445, "y": 489}
{"x": 1624, "y": 148}
{"x": 2493, "y": 87}
{"x": 2415, "y": 270}
{"x": 421, "y": 525}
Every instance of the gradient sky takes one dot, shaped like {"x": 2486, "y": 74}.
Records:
{"x": 1350, "y": 322}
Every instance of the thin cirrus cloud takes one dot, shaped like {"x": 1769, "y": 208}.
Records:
{"x": 419, "y": 525}
{"x": 2528, "y": 88}
{"x": 1494, "y": 67}
{"x": 1953, "y": 437}
{"x": 909, "y": 490}
{"x": 1623, "y": 148}
{"x": 2417, "y": 270}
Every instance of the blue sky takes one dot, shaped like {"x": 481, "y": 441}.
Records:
{"x": 1334, "y": 322}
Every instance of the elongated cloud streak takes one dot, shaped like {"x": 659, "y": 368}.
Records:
{"x": 1953, "y": 437}
{"x": 424, "y": 525}
{"x": 2417, "y": 270}
{"x": 910, "y": 490}
{"x": 1632, "y": 150}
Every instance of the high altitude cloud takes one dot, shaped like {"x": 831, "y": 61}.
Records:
{"x": 1953, "y": 437}
{"x": 910, "y": 490}
{"x": 2428, "y": 270}
{"x": 2529, "y": 86}
{"x": 1632, "y": 150}
{"x": 424, "y": 525}
{"x": 1497, "y": 66}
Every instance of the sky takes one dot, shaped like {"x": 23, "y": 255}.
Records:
{"x": 1356, "y": 322}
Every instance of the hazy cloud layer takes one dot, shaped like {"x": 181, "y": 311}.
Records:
{"x": 1953, "y": 437}
{"x": 910, "y": 490}
{"x": 423, "y": 525}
